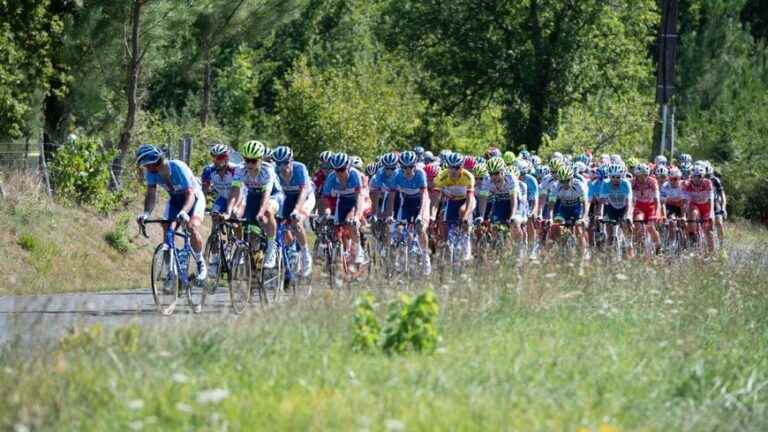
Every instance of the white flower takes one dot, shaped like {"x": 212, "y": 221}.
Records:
{"x": 212, "y": 396}
{"x": 181, "y": 406}
{"x": 179, "y": 377}
{"x": 550, "y": 275}
{"x": 621, "y": 277}
{"x": 136, "y": 425}
{"x": 135, "y": 404}
{"x": 394, "y": 425}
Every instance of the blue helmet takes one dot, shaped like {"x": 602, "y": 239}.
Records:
{"x": 339, "y": 160}
{"x": 147, "y": 154}
{"x": 419, "y": 150}
{"x": 282, "y": 154}
{"x": 408, "y": 159}
{"x": 389, "y": 160}
{"x": 454, "y": 160}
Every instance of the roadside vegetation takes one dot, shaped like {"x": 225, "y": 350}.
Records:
{"x": 678, "y": 346}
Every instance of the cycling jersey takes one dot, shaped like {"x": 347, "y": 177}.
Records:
{"x": 410, "y": 186}
{"x": 346, "y": 193}
{"x": 673, "y": 196}
{"x": 616, "y": 196}
{"x": 532, "y": 186}
{"x": 483, "y": 187}
{"x": 455, "y": 188}
{"x": 297, "y": 178}
{"x": 646, "y": 192}
{"x": 178, "y": 183}
{"x": 219, "y": 179}
{"x": 383, "y": 182}
{"x": 594, "y": 189}
{"x": 568, "y": 194}
{"x": 700, "y": 193}
{"x": 503, "y": 189}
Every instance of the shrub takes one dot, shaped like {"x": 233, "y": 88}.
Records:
{"x": 80, "y": 170}
{"x": 118, "y": 238}
{"x": 367, "y": 331}
{"x": 412, "y": 324}
{"x": 28, "y": 242}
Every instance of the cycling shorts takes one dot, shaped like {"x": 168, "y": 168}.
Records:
{"x": 452, "y": 208}
{"x": 289, "y": 205}
{"x": 564, "y": 213}
{"x": 410, "y": 208}
{"x": 176, "y": 202}
{"x": 344, "y": 206}
{"x": 673, "y": 210}
{"x": 615, "y": 214}
{"x": 703, "y": 209}
{"x": 253, "y": 204}
{"x": 501, "y": 211}
{"x": 648, "y": 210}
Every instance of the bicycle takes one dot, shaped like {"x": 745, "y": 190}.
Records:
{"x": 451, "y": 252}
{"x": 407, "y": 255}
{"x": 170, "y": 276}
{"x": 615, "y": 239}
{"x": 646, "y": 241}
{"x": 218, "y": 252}
{"x": 291, "y": 262}
{"x": 247, "y": 260}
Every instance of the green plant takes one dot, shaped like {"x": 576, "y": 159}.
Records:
{"x": 80, "y": 170}
{"x": 118, "y": 238}
{"x": 83, "y": 338}
{"x": 366, "y": 329}
{"x": 127, "y": 338}
{"x": 412, "y": 324}
{"x": 28, "y": 242}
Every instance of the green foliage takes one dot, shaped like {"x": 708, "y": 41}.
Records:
{"x": 127, "y": 338}
{"x": 80, "y": 170}
{"x": 605, "y": 123}
{"x": 412, "y": 324}
{"x": 365, "y": 109}
{"x": 118, "y": 237}
{"x": 83, "y": 338}
{"x": 40, "y": 254}
{"x": 366, "y": 329}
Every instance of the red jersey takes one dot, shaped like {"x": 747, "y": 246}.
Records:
{"x": 698, "y": 194}
{"x": 647, "y": 192}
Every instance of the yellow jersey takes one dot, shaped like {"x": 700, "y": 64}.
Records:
{"x": 455, "y": 188}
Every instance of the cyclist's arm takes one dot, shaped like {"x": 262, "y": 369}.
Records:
{"x": 265, "y": 195}
{"x": 359, "y": 208}
{"x": 434, "y": 204}
{"x": 482, "y": 202}
{"x": 515, "y": 203}
{"x": 303, "y": 192}
{"x": 388, "y": 212}
{"x": 234, "y": 192}
{"x": 150, "y": 199}
{"x": 471, "y": 202}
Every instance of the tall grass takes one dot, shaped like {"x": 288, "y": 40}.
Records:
{"x": 631, "y": 346}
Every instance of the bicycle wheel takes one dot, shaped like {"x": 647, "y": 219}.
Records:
{"x": 216, "y": 261}
{"x": 165, "y": 280}
{"x": 240, "y": 279}
{"x": 195, "y": 290}
{"x": 272, "y": 279}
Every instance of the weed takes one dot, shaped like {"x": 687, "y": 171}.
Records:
{"x": 29, "y": 243}
{"x": 366, "y": 330}
{"x": 118, "y": 237}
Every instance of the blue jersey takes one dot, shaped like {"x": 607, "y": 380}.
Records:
{"x": 619, "y": 196}
{"x": 334, "y": 188}
{"x": 297, "y": 178}
{"x": 533, "y": 187}
{"x": 410, "y": 186}
{"x": 220, "y": 180}
{"x": 181, "y": 179}
{"x": 381, "y": 182}
{"x": 595, "y": 189}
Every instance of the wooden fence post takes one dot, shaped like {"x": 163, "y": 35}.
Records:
{"x": 44, "y": 170}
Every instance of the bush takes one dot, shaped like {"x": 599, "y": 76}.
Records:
{"x": 412, "y": 324}
{"x": 29, "y": 242}
{"x": 118, "y": 238}
{"x": 80, "y": 170}
{"x": 366, "y": 331}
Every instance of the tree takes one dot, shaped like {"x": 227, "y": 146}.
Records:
{"x": 533, "y": 57}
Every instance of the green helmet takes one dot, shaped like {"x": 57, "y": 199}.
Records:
{"x": 513, "y": 171}
{"x": 508, "y": 157}
{"x": 633, "y": 162}
{"x": 253, "y": 150}
{"x": 495, "y": 165}
{"x": 480, "y": 171}
{"x": 564, "y": 172}
{"x": 555, "y": 164}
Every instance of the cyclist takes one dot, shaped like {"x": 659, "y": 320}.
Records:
{"x": 318, "y": 178}
{"x": 645, "y": 191}
{"x": 458, "y": 186}
{"x": 411, "y": 184}
{"x": 568, "y": 202}
{"x": 264, "y": 198}
{"x": 482, "y": 192}
{"x": 532, "y": 196}
{"x": 720, "y": 202}
{"x": 217, "y": 178}
{"x": 299, "y": 199}
{"x": 700, "y": 203}
{"x": 616, "y": 202}
{"x": 380, "y": 186}
{"x": 187, "y": 201}
{"x": 345, "y": 185}
{"x": 503, "y": 188}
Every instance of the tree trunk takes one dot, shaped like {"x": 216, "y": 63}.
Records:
{"x": 205, "y": 104}
{"x": 133, "y": 70}
{"x": 537, "y": 96}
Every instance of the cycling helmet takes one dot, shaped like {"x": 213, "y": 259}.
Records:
{"x": 642, "y": 168}
{"x": 601, "y": 172}
{"x": 268, "y": 154}
{"x": 469, "y": 163}
{"x": 557, "y": 155}
{"x": 685, "y": 170}
{"x": 495, "y": 165}
{"x": 675, "y": 172}
{"x": 432, "y": 170}
{"x": 523, "y": 166}
{"x": 542, "y": 171}
{"x": 480, "y": 171}
{"x": 356, "y": 162}
{"x": 282, "y": 154}
{"x": 492, "y": 152}
{"x": 326, "y": 156}
{"x": 253, "y": 150}
{"x": 698, "y": 171}
{"x": 525, "y": 154}
{"x": 615, "y": 170}
{"x": 219, "y": 150}
{"x": 554, "y": 163}
{"x": 535, "y": 160}
{"x": 429, "y": 157}
{"x": 583, "y": 158}
{"x": 614, "y": 159}
{"x": 660, "y": 160}
{"x": 389, "y": 160}
{"x": 339, "y": 160}
{"x": 408, "y": 159}
{"x": 685, "y": 159}
{"x": 512, "y": 170}
{"x": 661, "y": 171}
{"x": 419, "y": 150}
{"x": 564, "y": 172}
{"x": 370, "y": 169}
{"x": 148, "y": 154}
{"x": 454, "y": 160}
{"x": 509, "y": 157}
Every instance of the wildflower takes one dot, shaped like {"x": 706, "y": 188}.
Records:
{"x": 212, "y": 396}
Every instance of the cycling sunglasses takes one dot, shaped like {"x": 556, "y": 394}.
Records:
{"x": 340, "y": 170}
{"x": 221, "y": 157}
{"x": 252, "y": 161}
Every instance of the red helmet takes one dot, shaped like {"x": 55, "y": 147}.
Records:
{"x": 469, "y": 163}
{"x": 432, "y": 170}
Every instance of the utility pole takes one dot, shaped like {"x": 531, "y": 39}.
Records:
{"x": 665, "y": 76}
